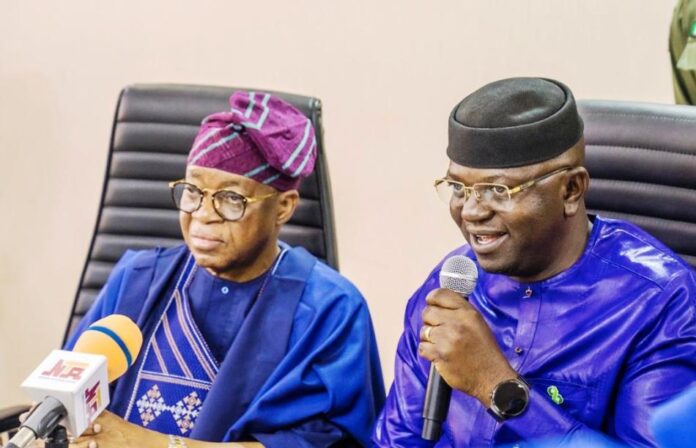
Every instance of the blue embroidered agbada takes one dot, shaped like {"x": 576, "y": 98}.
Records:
{"x": 302, "y": 367}
{"x": 602, "y": 344}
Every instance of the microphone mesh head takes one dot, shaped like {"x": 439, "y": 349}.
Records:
{"x": 117, "y": 338}
{"x": 459, "y": 274}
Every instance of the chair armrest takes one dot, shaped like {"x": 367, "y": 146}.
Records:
{"x": 9, "y": 417}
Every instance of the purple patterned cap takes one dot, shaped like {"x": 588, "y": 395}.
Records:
{"x": 261, "y": 137}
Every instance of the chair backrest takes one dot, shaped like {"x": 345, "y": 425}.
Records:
{"x": 152, "y": 133}
{"x": 642, "y": 163}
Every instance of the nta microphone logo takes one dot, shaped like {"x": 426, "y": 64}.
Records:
{"x": 67, "y": 370}
{"x": 93, "y": 399}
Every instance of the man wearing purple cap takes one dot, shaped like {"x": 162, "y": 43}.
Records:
{"x": 245, "y": 339}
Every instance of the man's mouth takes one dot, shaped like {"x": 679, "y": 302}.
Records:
{"x": 484, "y": 243}
{"x": 205, "y": 242}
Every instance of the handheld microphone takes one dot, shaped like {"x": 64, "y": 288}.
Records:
{"x": 459, "y": 274}
{"x": 73, "y": 386}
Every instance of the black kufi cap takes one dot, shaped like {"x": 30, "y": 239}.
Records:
{"x": 514, "y": 122}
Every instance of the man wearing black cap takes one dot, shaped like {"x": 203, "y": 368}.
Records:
{"x": 578, "y": 326}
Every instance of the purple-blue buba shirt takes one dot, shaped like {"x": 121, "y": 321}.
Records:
{"x": 601, "y": 344}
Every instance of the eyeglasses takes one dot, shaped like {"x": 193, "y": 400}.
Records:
{"x": 228, "y": 204}
{"x": 494, "y": 196}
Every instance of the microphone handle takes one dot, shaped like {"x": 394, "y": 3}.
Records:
{"x": 437, "y": 400}
{"x": 23, "y": 438}
{"x": 40, "y": 423}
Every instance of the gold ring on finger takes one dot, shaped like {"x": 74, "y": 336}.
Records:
{"x": 426, "y": 333}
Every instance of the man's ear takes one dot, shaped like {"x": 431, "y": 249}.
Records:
{"x": 574, "y": 189}
{"x": 287, "y": 203}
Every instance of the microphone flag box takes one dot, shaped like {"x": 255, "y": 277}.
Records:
{"x": 78, "y": 380}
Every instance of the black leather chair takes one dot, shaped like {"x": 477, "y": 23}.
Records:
{"x": 642, "y": 163}
{"x": 152, "y": 133}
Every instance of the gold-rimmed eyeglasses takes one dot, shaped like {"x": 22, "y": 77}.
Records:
{"x": 489, "y": 194}
{"x": 228, "y": 204}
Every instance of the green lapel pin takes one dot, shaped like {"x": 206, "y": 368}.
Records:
{"x": 555, "y": 395}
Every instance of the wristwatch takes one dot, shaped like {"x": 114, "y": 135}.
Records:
{"x": 509, "y": 399}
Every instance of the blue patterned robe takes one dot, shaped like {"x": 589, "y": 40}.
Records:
{"x": 304, "y": 356}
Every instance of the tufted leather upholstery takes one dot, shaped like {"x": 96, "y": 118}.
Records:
{"x": 152, "y": 133}
{"x": 642, "y": 163}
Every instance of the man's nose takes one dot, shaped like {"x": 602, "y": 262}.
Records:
{"x": 473, "y": 209}
{"x": 206, "y": 212}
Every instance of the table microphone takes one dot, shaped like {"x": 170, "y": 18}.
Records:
{"x": 72, "y": 387}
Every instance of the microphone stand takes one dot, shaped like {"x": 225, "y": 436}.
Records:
{"x": 58, "y": 438}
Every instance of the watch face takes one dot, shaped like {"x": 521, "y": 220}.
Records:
{"x": 511, "y": 398}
